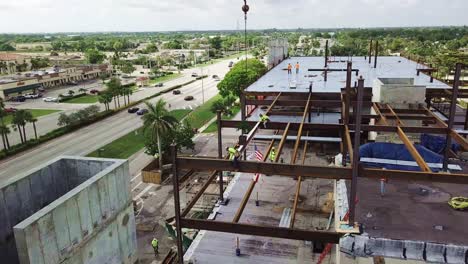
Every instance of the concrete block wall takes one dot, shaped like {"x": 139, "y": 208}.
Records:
{"x": 65, "y": 211}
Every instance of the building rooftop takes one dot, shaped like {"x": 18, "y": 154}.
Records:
{"x": 277, "y": 79}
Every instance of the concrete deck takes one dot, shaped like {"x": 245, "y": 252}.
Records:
{"x": 278, "y": 80}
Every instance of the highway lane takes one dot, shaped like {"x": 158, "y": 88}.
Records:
{"x": 48, "y": 123}
{"x": 101, "y": 133}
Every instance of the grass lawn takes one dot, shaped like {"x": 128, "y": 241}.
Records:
{"x": 165, "y": 78}
{"x": 125, "y": 146}
{"x": 87, "y": 99}
{"x": 213, "y": 127}
{"x": 202, "y": 114}
{"x": 35, "y": 112}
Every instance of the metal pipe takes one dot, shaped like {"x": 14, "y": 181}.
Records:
{"x": 310, "y": 96}
{"x": 220, "y": 155}
{"x": 348, "y": 91}
{"x": 370, "y": 51}
{"x": 326, "y": 53}
{"x": 376, "y": 53}
{"x": 453, "y": 109}
{"x": 175, "y": 182}
{"x": 357, "y": 143}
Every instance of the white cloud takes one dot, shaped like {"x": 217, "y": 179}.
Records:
{"x": 161, "y": 15}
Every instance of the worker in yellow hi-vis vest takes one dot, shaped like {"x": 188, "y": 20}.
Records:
{"x": 155, "y": 244}
{"x": 272, "y": 154}
{"x": 264, "y": 119}
{"x": 233, "y": 155}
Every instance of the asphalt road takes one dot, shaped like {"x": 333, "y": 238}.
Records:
{"x": 94, "y": 136}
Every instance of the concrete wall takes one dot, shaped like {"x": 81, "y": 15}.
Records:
{"x": 72, "y": 210}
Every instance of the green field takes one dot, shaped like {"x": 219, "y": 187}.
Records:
{"x": 165, "y": 78}
{"x": 202, "y": 114}
{"x": 213, "y": 127}
{"x": 87, "y": 99}
{"x": 35, "y": 112}
{"x": 126, "y": 146}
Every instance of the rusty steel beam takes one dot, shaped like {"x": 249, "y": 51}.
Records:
{"x": 356, "y": 160}
{"x": 175, "y": 182}
{"x": 453, "y": 110}
{"x": 370, "y": 51}
{"x": 298, "y": 189}
{"x": 199, "y": 193}
{"x": 282, "y": 141}
{"x": 457, "y": 137}
{"x": 252, "y": 184}
{"x": 382, "y": 117}
{"x": 323, "y": 172}
{"x": 412, "y": 150}
{"x": 302, "y": 103}
{"x": 257, "y": 230}
{"x": 399, "y": 122}
{"x": 348, "y": 92}
{"x": 299, "y": 133}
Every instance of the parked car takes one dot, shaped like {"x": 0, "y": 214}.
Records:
{"x": 20, "y": 98}
{"x": 176, "y": 92}
{"x": 159, "y": 85}
{"x": 94, "y": 91}
{"x": 194, "y": 74}
{"x": 188, "y": 98}
{"x": 230, "y": 64}
{"x": 142, "y": 111}
{"x": 10, "y": 109}
{"x": 215, "y": 77}
{"x": 50, "y": 99}
{"x": 41, "y": 90}
{"x": 73, "y": 83}
{"x": 31, "y": 96}
{"x": 133, "y": 110}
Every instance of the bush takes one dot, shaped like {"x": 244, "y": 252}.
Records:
{"x": 65, "y": 98}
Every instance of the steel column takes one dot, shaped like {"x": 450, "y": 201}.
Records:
{"x": 175, "y": 182}
{"x": 376, "y": 53}
{"x": 453, "y": 110}
{"x": 326, "y": 53}
{"x": 220, "y": 154}
{"x": 348, "y": 91}
{"x": 357, "y": 144}
{"x": 370, "y": 51}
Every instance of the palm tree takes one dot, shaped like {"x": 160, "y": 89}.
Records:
{"x": 158, "y": 121}
{"x": 105, "y": 98}
{"x": 114, "y": 87}
{"x": 20, "y": 122}
{"x": 4, "y": 131}
{"x": 82, "y": 90}
{"x": 31, "y": 119}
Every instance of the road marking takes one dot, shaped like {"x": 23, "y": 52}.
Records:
{"x": 137, "y": 186}
{"x": 138, "y": 175}
{"x": 138, "y": 196}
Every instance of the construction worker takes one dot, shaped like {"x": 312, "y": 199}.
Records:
{"x": 273, "y": 154}
{"x": 297, "y": 67}
{"x": 264, "y": 119}
{"x": 154, "y": 244}
{"x": 289, "y": 68}
{"x": 233, "y": 155}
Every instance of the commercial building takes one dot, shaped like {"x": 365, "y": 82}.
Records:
{"x": 28, "y": 82}
{"x": 71, "y": 210}
{"x": 9, "y": 61}
{"x": 353, "y": 178}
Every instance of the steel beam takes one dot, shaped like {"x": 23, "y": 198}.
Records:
{"x": 412, "y": 150}
{"x": 266, "y": 231}
{"x": 175, "y": 182}
{"x": 376, "y": 53}
{"x": 252, "y": 184}
{"x": 349, "y": 67}
{"x": 200, "y": 192}
{"x": 457, "y": 137}
{"x": 349, "y": 144}
{"x": 370, "y": 51}
{"x": 298, "y": 188}
{"x": 323, "y": 172}
{"x": 299, "y": 133}
{"x": 453, "y": 109}
{"x": 357, "y": 144}
{"x": 220, "y": 154}
{"x": 302, "y": 103}
{"x": 399, "y": 122}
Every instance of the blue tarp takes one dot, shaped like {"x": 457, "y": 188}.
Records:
{"x": 436, "y": 143}
{"x": 396, "y": 152}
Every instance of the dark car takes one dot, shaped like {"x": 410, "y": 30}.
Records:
{"x": 133, "y": 110}
{"x": 20, "y": 98}
{"x": 230, "y": 64}
{"x": 176, "y": 92}
{"x": 159, "y": 85}
{"x": 41, "y": 90}
{"x": 142, "y": 111}
{"x": 94, "y": 91}
{"x": 188, "y": 98}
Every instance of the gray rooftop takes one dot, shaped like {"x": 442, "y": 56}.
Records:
{"x": 277, "y": 78}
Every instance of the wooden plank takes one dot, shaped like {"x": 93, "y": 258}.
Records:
{"x": 348, "y": 143}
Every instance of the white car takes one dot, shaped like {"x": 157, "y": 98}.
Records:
{"x": 31, "y": 96}
{"x": 50, "y": 99}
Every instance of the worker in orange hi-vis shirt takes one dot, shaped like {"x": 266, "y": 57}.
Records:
{"x": 289, "y": 68}
{"x": 297, "y": 67}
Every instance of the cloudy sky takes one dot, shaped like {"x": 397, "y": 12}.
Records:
{"x": 167, "y": 15}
